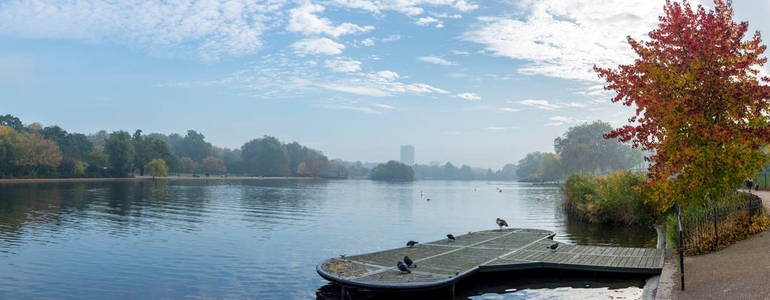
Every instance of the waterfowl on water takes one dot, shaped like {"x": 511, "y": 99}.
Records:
{"x": 501, "y": 223}
{"x": 411, "y": 244}
{"x": 402, "y": 267}
{"x": 450, "y": 236}
{"x": 409, "y": 263}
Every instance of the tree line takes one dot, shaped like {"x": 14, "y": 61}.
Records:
{"x": 582, "y": 149}
{"x": 37, "y": 151}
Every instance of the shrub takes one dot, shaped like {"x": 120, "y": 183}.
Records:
{"x": 615, "y": 198}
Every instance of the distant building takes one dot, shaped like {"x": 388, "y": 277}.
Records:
{"x": 407, "y": 155}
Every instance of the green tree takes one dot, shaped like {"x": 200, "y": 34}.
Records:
{"x": 120, "y": 151}
{"x": 392, "y": 171}
{"x": 194, "y": 146}
{"x": 265, "y": 157}
{"x": 584, "y": 149}
{"x": 157, "y": 168}
{"x": 78, "y": 146}
{"x": 98, "y": 161}
{"x": 12, "y": 122}
{"x": 10, "y": 149}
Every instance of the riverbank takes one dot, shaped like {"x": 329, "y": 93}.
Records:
{"x": 139, "y": 178}
{"x": 736, "y": 272}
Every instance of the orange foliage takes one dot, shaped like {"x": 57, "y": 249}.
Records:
{"x": 700, "y": 104}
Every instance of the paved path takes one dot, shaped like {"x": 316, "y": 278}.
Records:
{"x": 741, "y": 271}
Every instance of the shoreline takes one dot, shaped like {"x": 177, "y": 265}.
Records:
{"x": 141, "y": 178}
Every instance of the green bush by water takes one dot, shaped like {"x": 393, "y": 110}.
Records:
{"x": 615, "y": 198}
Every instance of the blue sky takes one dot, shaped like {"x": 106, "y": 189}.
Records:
{"x": 471, "y": 82}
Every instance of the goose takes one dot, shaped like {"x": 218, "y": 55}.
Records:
{"x": 450, "y": 236}
{"x": 411, "y": 244}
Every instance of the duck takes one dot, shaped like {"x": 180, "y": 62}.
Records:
{"x": 501, "y": 223}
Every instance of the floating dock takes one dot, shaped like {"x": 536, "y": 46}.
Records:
{"x": 442, "y": 263}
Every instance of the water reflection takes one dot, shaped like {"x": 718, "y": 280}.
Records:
{"x": 245, "y": 239}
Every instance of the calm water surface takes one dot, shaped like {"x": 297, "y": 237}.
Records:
{"x": 260, "y": 238}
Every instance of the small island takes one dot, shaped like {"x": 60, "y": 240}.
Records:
{"x": 392, "y": 171}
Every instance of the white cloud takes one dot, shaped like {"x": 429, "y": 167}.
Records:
{"x": 573, "y": 104}
{"x": 509, "y": 109}
{"x": 594, "y": 90}
{"x": 458, "y": 52}
{"x": 367, "y": 42}
{"x": 385, "y": 106}
{"x": 566, "y": 38}
{"x": 408, "y": 7}
{"x": 500, "y": 128}
{"x": 343, "y": 65}
{"x": 541, "y": 104}
{"x": 303, "y": 19}
{"x": 209, "y": 29}
{"x": 389, "y": 75}
{"x": 323, "y": 46}
{"x": 561, "y": 120}
{"x": 469, "y": 96}
{"x": 363, "y": 109}
{"x": 435, "y": 60}
{"x": 391, "y": 38}
{"x": 427, "y": 21}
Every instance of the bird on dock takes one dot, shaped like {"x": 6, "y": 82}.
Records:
{"x": 501, "y": 223}
{"x": 402, "y": 267}
{"x": 411, "y": 244}
{"x": 554, "y": 246}
{"x": 450, "y": 236}
{"x": 409, "y": 263}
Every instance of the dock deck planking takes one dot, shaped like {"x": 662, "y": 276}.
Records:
{"x": 442, "y": 262}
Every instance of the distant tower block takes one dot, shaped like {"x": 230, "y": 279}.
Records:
{"x": 407, "y": 155}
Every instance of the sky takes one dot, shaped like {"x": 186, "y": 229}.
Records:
{"x": 472, "y": 82}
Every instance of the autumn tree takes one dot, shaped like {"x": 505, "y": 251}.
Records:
{"x": 701, "y": 106}
{"x": 188, "y": 165}
{"x": 213, "y": 165}
{"x": 38, "y": 152}
{"x": 157, "y": 168}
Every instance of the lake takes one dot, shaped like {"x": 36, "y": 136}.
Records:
{"x": 263, "y": 238}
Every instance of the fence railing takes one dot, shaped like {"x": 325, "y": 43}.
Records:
{"x": 702, "y": 229}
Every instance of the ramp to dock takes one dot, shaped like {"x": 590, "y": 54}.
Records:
{"x": 443, "y": 262}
